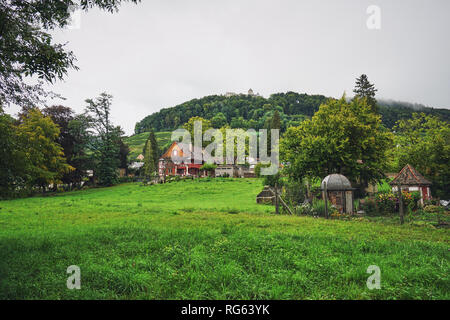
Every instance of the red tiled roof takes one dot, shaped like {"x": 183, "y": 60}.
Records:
{"x": 410, "y": 177}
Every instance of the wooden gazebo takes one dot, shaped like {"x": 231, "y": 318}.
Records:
{"x": 338, "y": 190}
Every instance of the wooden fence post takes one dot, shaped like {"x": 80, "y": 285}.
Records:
{"x": 277, "y": 207}
{"x": 400, "y": 203}
{"x": 325, "y": 198}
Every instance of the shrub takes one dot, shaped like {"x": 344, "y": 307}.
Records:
{"x": 316, "y": 191}
{"x": 384, "y": 187}
{"x": 319, "y": 207}
{"x": 386, "y": 202}
{"x": 410, "y": 200}
{"x": 432, "y": 209}
{"x": 258, "y": 169}
{"x": 356, "y": 205}
{"x": 128, "y": 179}
{"x": 306, "y": 209}
{"x": 369, "y": 206}
{"x": 273, "y": 180}
{"x": 294, "y": 192}
{"x": 209, "y": 167}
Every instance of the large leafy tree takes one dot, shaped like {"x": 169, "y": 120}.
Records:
{"x": 367, "y": 90}
{"x": 62, "y": 116}
{"x": 341, "y": 137}
{"x": 39, "y": 135}
{"x": 219, "y": 120}
{"x": 105, "y": 141}
{"x": 27, "y": 48}
{"x": 81, "y": 157}
{"x": 424, "y": 142}
{"x": 190, "y": 126}
{"x": 13, "y": 161}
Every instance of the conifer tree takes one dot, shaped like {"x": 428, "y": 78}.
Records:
{"x": 151, "y": 155}
{"x": 364, "y": 89}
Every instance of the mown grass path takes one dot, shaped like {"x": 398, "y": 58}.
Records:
{"x": 207, "y": 240}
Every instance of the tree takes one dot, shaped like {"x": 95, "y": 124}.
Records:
{"x": 424, "y": 143}
{"x": 151, "y": 155}
{"x": 124, "y": 151}
{"x": 27, "y": 48}
{"x": 276, "y": 121}
{"x": 189, "y": 126}
{"x": 219, "y": 120}
{"x": 81, "y": 158}
{"x": 13, "y": 162}
{"x": 238, "y": 123}
{"x": 62, "y": 116}
{"x": 39, "y": 134}
{"x": 341, "y": 137}
{"x": 364, "y": 89}
{"x": 105, "y": 142}
{"x": 209, "y": 167}
{"x": 293, "y": 108}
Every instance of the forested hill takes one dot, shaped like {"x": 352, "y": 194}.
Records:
{"x": 251, "y": 111}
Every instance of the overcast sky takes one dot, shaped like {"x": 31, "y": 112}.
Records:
{"x": 163, "y": 52}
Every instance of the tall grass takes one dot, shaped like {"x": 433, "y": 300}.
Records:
{"x": 319, "y": 207}
{"x": 384, "y": 187}
{"x": 207, "y": 240}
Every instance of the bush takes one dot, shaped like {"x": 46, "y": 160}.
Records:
{"x": 294, "y": 192}
{"x": 433, "y": 209}
{"x": 410, "y": 200}
{"x": 128, "y": 179}
{"x": 369, "y": 206}
{"x": 258, "y": 169}
{"x": 316, "y": 191}
{"x": 306, "y": 209}
{"x": 319, "y": 207}
{"x": 209, "y": 167}
{"x": 386, "y": 202}
{"x": 384, "y": 187}
{"x": 273, "y": 180}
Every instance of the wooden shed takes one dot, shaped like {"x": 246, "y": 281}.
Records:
{"x": 411, "y": 180}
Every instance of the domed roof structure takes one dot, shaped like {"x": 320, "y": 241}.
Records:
{"x": 336, "y": 182}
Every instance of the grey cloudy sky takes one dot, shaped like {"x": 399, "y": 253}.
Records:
{"x": 163, "y": 52}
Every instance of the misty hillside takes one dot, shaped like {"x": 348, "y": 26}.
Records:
{"x": 252, "y": 111}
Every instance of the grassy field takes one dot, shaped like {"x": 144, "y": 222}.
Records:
{"x": 137, "y": 142}
{"x": 207, "y": 240}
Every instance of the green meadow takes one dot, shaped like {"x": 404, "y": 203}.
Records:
{"x": 207, "y": 239}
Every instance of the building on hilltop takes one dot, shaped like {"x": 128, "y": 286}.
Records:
{"x": 250, "y": 93}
